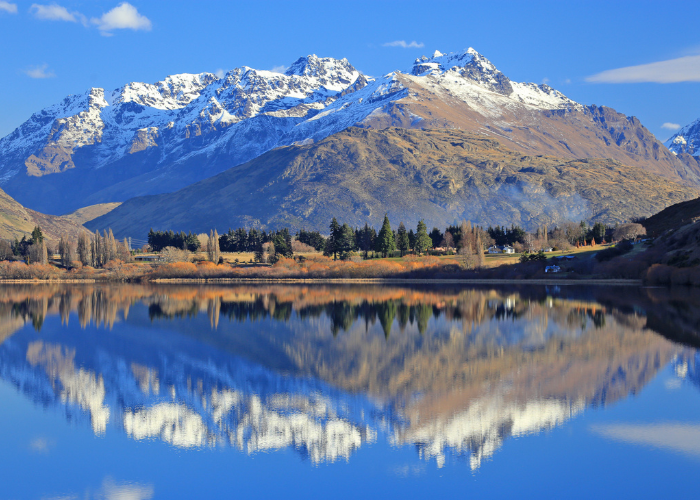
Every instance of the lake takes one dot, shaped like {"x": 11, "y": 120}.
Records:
{"x": 354, "y": 391}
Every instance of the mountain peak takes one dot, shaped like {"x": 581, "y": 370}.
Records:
{"x": 469, "y": 64}
{"x": 686, "y": 140}
{"x": 315, "y": 66}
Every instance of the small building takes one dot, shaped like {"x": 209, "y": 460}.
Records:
{"x": 147, "y": 258}
{"x": 494, "y": 249}
{"x": 507, "y": 249}
{"x": 548, "y": 249}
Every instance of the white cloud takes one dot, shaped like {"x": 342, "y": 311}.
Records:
{"x": 123, "y": 16}
{"x": 568, "y": 80}
{"x": 545, "y": 80}
{"x": 683, "y": 69}
{"x": 671, "y": 126}
{"x": 279, "y": 69}
{"x": 39, "y": 72}
{"x": 8, "y": 7}
{"x": 682, "y": 438}
{"x": 53, "y": 12}
{"x": 220, "y": 73}
{"x": 404, "y": 45}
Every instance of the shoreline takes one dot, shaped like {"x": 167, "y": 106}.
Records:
{"x": 378, "y": 281}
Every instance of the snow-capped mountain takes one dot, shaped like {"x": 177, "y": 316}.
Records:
{"x": 143, "y": 139}
{"x": 686, "y": 140}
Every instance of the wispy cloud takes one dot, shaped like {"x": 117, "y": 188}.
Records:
{"x": 55, "y": 12}
{"x": 220, "y": 73}
{"x": 8, "y": 7}
{"x": 671, "y": 126}
{"x": 42, "y": 71}
{"x": 279, "y": 69}
{"x": 682, "y": 69}
{"x": 405, "y": 45}
{"x": 678, "y": 437}
{"x": 123, "y": 16}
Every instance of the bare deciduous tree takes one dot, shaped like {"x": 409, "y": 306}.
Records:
{"x": 629, "y": 231}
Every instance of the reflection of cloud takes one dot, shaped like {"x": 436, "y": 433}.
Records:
{"x": 672, "y": 384}
{"x": 125, "y": 491}
{"x": 408, "y": 470}
{"x": 683, "y": 438}
{"x": 39, "y": 445}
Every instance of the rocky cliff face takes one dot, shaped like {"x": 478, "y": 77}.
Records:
{"x": 144, "y": 139}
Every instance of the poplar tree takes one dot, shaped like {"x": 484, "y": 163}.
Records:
{"x": 213, "y": 250}
{"x": 385, "y": 238}
{"x": 84, "y": 254}
{"x": 65, "y": 250}
{"x": 480, "y": 258}
{"x": 423, "y": 241}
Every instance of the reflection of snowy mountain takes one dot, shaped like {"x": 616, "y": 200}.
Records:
{"x": 687, "y": 367}
{"x": 479, "y": 430}
{"x": 486, "y": 369}
{"x": 188, "y": 401}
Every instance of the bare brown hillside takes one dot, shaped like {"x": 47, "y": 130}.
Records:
{"x": 441, "y": 176}
{"x": 17, "y": 221}
{"x": 579, "y": 132}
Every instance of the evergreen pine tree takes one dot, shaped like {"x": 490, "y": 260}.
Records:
{"x": 385, "y": 239}
{"x": 332, "y": 241}
{"x": 346, "y": 241}
{"x": 37, "y": 235}
{"x": 402, "y": 242}
{"x": 423, "y": 241}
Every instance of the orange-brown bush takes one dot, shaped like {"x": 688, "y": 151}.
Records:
{"x": 176, "y": 270}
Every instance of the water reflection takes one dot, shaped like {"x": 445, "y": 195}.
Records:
{"x": 326, "y": 370}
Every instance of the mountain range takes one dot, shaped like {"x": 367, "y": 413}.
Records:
{"x": 149, "y": 139}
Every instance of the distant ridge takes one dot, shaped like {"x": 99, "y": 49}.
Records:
{"x": 442, "y": 176}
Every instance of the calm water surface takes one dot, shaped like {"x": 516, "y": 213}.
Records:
{"x": 140, "y": 392}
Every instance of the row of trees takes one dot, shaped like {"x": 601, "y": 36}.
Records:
{"x": 158, "y": 240}
{"x": 343, "y": 239}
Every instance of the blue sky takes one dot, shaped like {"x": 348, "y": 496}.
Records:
{"x": 51, "y": 49}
